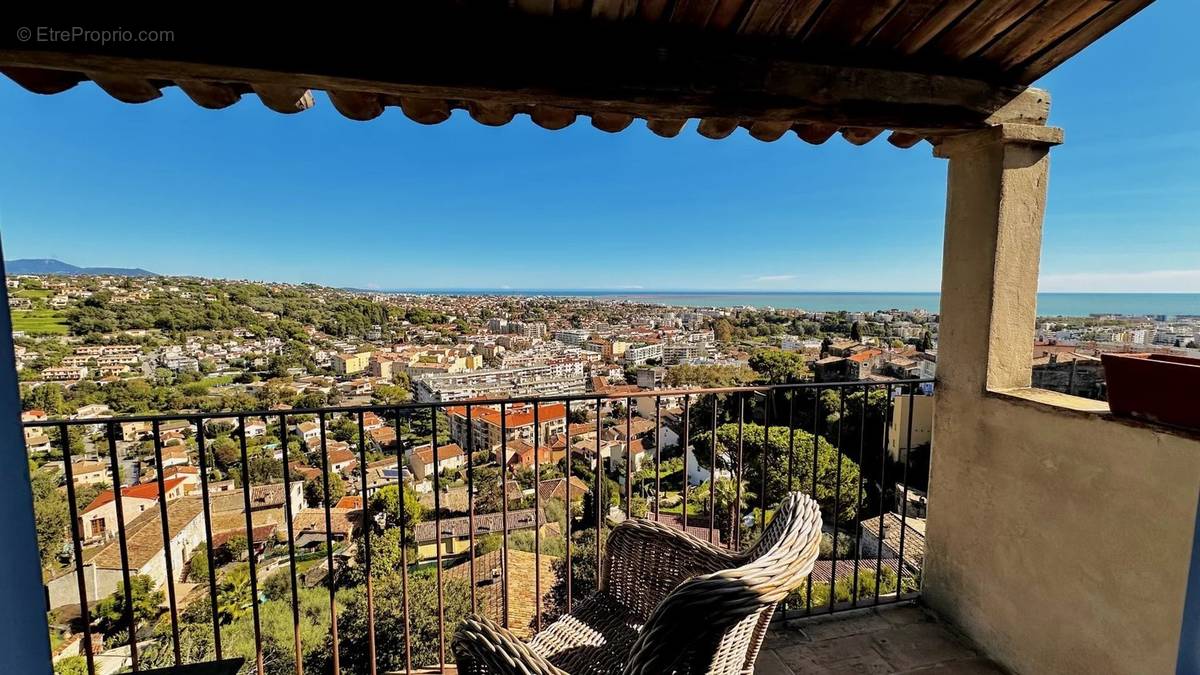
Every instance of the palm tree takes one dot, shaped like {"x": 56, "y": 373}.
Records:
{"x": 726, "y": 506}
{"x": 233, "y": 598}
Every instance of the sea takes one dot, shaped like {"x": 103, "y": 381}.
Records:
{"x": 1049, "y": 304}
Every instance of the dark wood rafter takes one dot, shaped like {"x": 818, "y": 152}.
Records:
{"x": 916, "y": 68}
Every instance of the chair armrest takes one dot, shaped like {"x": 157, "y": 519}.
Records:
{"x": 483, "y": 647}
{"x": 645, "y": 560}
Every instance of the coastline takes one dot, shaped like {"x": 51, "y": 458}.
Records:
{"x": 1049, "y": 304}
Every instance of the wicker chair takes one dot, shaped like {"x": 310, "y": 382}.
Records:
{"x": 668, "y": 603}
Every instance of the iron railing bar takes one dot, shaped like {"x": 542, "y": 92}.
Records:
{"x": 503, "y": 512}
{"x": 333, "y": 626}
{"x": 887, "y": 427}
{"x": 165, "y": 417}
{"x": 687, "y": 443}
{"x": 791, "y": 441}
{"x": 287, "y": 505}
{"x": 904, "y": 499}
{"x": 816, "y": 446}
{"x": 762, "y": 497}
{"x": 404, "y": 541}
{"x": 367, "y": 526}
{"x": 712, "y": 474}
{"x": 437, "y": 524}
{"x": 791, "y": 455}
{"x": 837, "y": 500}
{"x": 568, "y": 457}
{"x": 118, "y": 498}
{"x": 741, "y": 473}
{"x": 599, "y": 484}
{"x": 77, "y": 544}
{"x": 471, "y": 503}
{"x": 862, "y": 429}
{"x": 628, "y": 458}
{"x": 166, "y": 537}
{"x": 537, "y": 512}
{"x": 247, "y": 486}
{"x": 212, "y": 562}
{"x": 658, "y": 455}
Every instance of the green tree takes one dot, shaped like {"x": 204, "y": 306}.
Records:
{"x": 314, "y": 489}
{"x": 72, "y": 665}
{"x": 226, "y": 452}
{"x": 709, "y": 376}
{"x": 234, "y": 600}
{"x": 385, "y": 502}
{"x": 776, "y": 366}
{"x": 48, "y": 397}
{"x": 389, "y": 622}
{"x": 85, "y": 494}
{"x": 198, "y": 566}
{"x": 110, "y": 612}
{"x": 233, "y": 549}
{"x": 830, "y": 493}
{"x": 856, "y": 331}
{"x": 926, "y": 342}
{"x": 723, "y": 330}
{"x": 344, "y": 429}
{"x": 610, "y": 494}
{"x": 727, "y": 507}
{"x": 583, "y": 569}
{"x": 51, "y": 516}
{"x": 265, "y": 469}
{"x": 390, "y": 394}
{"x": 311, "y": 399}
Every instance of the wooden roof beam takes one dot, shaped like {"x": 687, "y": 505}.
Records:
{"x": 613, "y": 72}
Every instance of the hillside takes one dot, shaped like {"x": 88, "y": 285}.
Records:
{"x": 52, "y": 266}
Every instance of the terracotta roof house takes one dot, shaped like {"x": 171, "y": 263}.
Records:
{"x": 311, "y": 532}
{"x": 556, "y": 488}
{"x": 143, "y": 536}
{"x": 453, "y": 533}
{"x": 99, "y": 518}
{"x": 421, "y": 460}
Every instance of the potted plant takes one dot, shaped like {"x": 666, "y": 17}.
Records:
{"x": 1159, "y": 388}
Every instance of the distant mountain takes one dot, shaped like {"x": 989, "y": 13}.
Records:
{"x": 51, "y": 266}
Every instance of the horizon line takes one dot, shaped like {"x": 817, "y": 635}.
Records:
{"x": 704, "y": 291}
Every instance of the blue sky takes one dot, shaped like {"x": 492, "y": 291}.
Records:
{"x": 248, "y": 193}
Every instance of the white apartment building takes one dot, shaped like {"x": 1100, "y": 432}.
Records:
{"x": 678, "y": 352}
{"x": 639, "y": 354}
{"x": 551, "y": 379}
{"x": 573, "y": 336}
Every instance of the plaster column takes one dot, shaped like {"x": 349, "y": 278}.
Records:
{"x": 24, "y": 634}
{"x": 996, "y": 195}
{"x": 995, "y": 198}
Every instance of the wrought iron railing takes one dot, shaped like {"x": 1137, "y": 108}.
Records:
{"x": 832, "y": 440}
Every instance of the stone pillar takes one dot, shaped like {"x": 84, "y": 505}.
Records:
{"x": 996, "y": 195}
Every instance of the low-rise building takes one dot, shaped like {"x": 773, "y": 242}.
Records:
{"x": 65, "y": 374}
{"x": 488, "y": 428}
{"x": 99, "y": 518}
{"x": 103, "y": 571}
{"x": 350, "y": 364}
{"x": 421, "y": 460}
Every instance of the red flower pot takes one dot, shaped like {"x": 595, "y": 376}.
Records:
{"x": 1156, "y": 388}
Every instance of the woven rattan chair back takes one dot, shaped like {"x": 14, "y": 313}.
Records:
{"x": 715, "y": 623}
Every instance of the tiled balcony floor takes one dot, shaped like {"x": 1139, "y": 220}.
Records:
{"x": 900, "y": 639}
{"x": 896, "y": 639}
